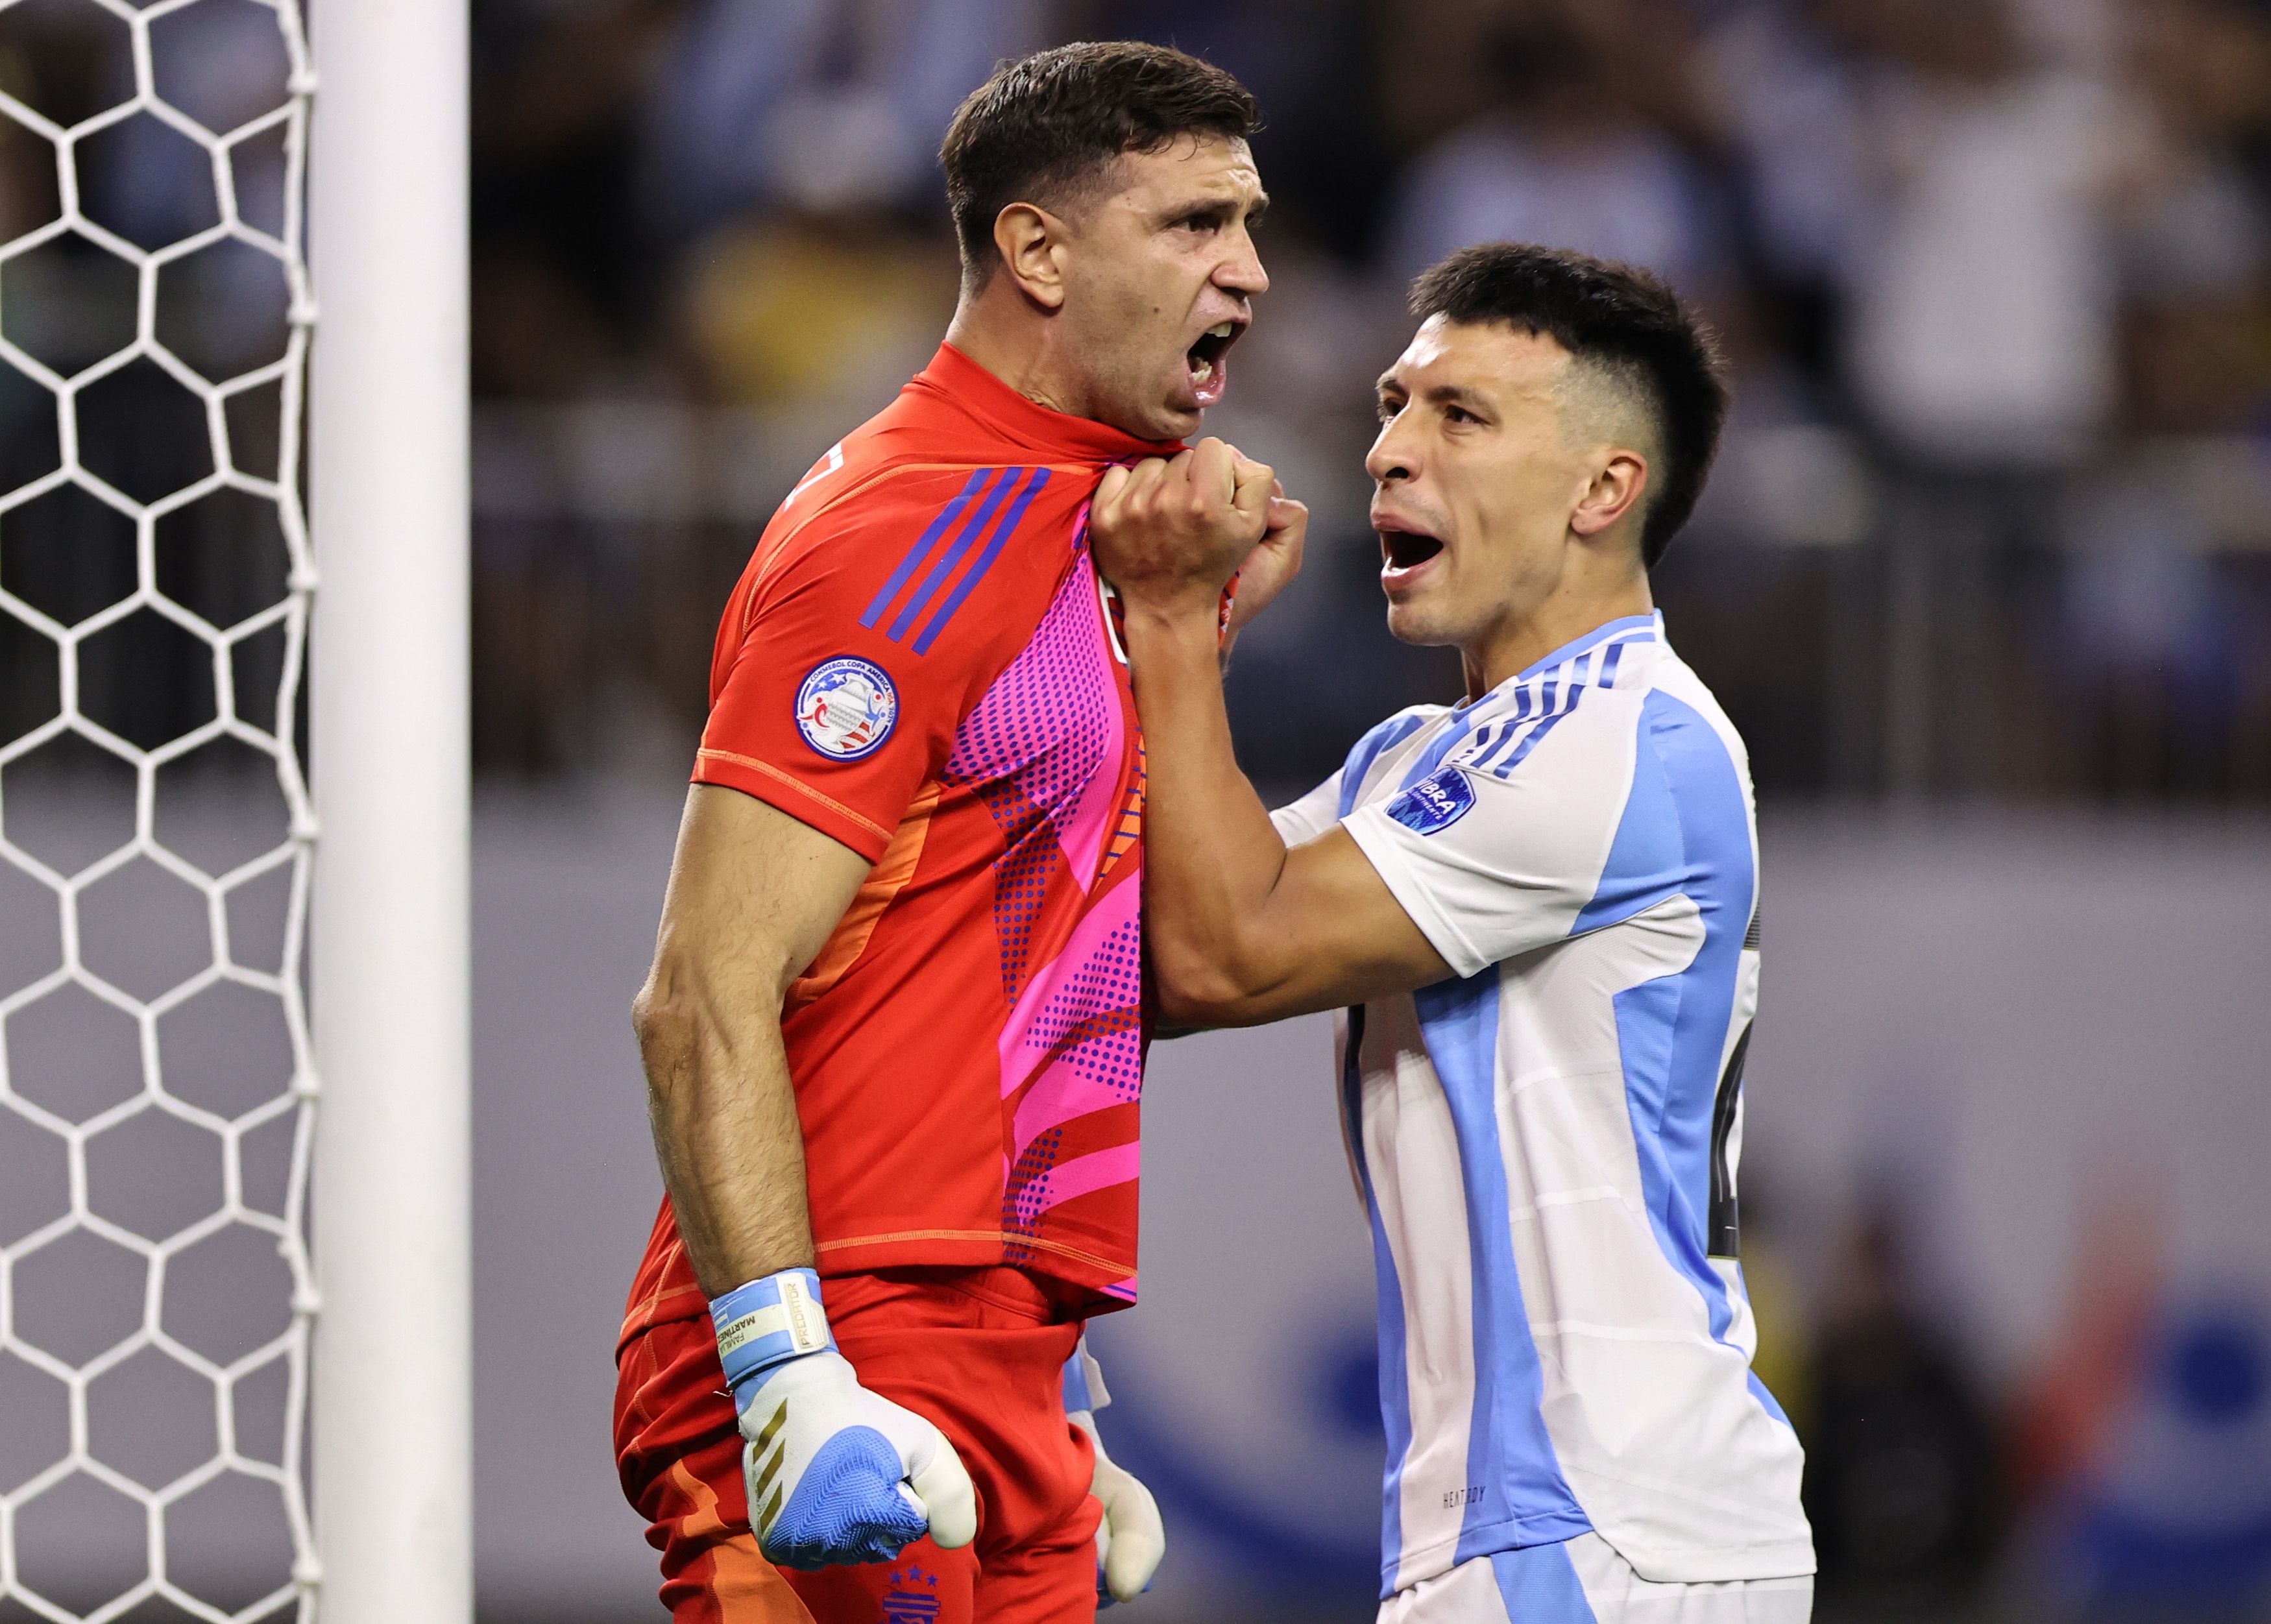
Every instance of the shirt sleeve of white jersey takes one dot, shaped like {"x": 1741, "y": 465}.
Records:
{"x": 1493, "y": 859}
{"x": 1311, "y": 815}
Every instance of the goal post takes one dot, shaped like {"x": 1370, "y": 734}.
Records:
{"x": 392, "y": 1439}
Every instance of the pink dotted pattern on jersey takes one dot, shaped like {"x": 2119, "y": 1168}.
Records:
{"x": 1021, "y": 877}
{"x": 1097, "y": 1009}
{"x": 1048, "y": 721}
{"x": 1072, "y": 1046}
{"x": 1025, "y": 1194}
{"x": 1042, "y": 751}
{"x": 1036, "y": 748}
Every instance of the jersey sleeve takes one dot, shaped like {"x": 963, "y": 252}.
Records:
{"x": 1311, "y": 815}
{"x": 826, "y": 718}
{"x": 1490, "y": 859}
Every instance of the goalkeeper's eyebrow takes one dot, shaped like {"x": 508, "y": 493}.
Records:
{"x": 1216, "y": 212}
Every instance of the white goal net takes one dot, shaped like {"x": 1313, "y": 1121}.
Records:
{"x": 156, "y": 1080}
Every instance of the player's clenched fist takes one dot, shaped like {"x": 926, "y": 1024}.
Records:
{"x": 1179, "y": 527}
{"x": 837, "y": 1474}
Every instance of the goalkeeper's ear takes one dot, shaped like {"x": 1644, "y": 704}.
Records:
{"x": 1032, "y": 243}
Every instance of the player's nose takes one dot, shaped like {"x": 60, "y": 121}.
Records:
{"x": 1391, "y": 459}
{"x": 1242, "y": 269}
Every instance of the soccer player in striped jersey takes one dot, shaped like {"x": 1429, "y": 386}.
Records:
{"x": 1539, "y": 908}
{"x": 893, "y": 1034}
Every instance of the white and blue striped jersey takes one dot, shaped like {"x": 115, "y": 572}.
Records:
{"x": 1547, "y": 1144}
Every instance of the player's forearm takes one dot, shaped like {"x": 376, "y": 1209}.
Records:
{"x": 726, "y": 1132}
{"x": 1211, "y": 854}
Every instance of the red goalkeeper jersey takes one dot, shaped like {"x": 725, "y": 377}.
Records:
{"x": 918, "y": 662}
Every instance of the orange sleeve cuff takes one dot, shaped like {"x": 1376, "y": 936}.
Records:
{"x": 792, "y": 795}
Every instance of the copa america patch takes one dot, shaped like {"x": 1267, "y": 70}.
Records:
{"x": 1435, "y": 803}
{"x": 846, "y": 707}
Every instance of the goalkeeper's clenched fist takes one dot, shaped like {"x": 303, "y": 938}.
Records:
{"x": 836, "y": 1473}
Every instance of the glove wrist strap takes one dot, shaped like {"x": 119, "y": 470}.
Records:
{"x": 764, "y": 1324}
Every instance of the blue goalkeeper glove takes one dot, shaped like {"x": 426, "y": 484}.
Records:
{"x": 1131, "y": 1539}
{"x": 836, "y": 1474}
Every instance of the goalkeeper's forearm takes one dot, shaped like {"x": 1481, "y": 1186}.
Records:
{"x": 726, "y": 1133}
{"x": 834, "y": 1472}
{"x": 1211, "y": 854}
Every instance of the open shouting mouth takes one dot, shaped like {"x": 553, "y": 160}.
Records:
{"x": 1403, "y": 552}
{"x": 1207, "y": 360}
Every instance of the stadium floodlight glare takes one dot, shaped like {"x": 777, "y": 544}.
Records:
{"x": 155, "y": 615}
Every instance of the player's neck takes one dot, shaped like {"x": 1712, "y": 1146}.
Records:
{"x": 1524, "y": 638}
{"x": 1014, "y": 347}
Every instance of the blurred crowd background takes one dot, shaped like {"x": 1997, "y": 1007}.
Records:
{"x": 1991, "y": 535}
{"x": 1995, "y": 280}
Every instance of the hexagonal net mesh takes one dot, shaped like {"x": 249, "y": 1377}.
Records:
{"x": 156, "y": 1083}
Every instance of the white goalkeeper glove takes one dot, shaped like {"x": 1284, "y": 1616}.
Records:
{"x": 836, "y": 1474}
{"x": 1131, "y": 1540}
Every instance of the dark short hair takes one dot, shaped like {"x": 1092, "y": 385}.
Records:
{"x": 1616, "y": 317}
{"x": 1045, "y": 125}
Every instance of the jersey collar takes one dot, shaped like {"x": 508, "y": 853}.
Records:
{"x": 1002, "y": 414}
{"x": 1625, "y": 627}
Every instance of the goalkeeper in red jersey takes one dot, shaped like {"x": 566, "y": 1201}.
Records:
{"x": 893, "y": 1034}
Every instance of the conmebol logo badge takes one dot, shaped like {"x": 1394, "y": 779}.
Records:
{"x": 846, "y": 708}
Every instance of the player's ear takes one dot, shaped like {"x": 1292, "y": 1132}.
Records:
{"x": 1615, "y": 491}
{"x": 1031, "y": 240}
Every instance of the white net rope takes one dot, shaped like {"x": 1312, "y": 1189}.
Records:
{"x": 156, "y": 1080}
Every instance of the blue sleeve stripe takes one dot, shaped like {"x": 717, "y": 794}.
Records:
{"x": 1486, "y": 739}
{"x": 1513, "y": 744}
{"x": 1529, "y": 741}
{"x": 921, "y": 550}
{"x": 951, "y": 554}
{"x": 1002, "y": 533}
{"x": 1500, "y": 752}
{"x": 1527, "y": 711}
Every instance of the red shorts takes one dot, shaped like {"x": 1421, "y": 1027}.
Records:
{"x": 980, "y": 1352}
